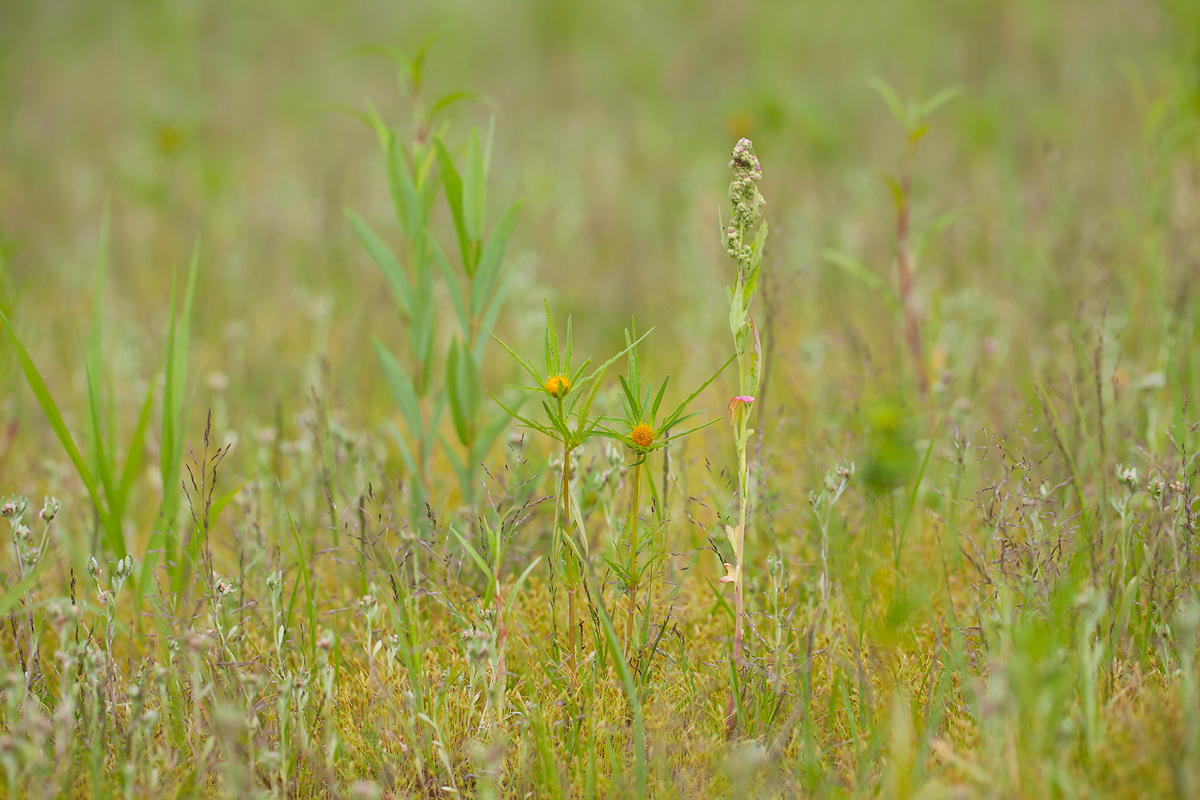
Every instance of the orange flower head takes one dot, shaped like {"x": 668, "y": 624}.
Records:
{"x": 642, "y": 436}
{"x": 558, "y": 385}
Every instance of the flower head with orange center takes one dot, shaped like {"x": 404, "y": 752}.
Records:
{"x": 642, "y": 435}
{"x": 558, "y": 385}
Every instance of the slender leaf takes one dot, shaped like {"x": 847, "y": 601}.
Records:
{"x": 492, "y": 257}
{"x": 474, "y": 189}
{"x": 382, "y": 255}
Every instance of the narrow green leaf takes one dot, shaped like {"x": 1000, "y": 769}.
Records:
{"x": 382, "y": 255}
{"x": 404, "y": 192}
{"x": 856, "y": 269}
{"x": 474, "y": 189}
{"x": 444, "y": 102}
{"x": 493, "y": 311}
{"x": 478, "y": 559}
{"x": 453, "y": 185}
{"x": 451, "y": 281}
{"x": 402, "y": 390}
{"x": 553, "y": 365}
{"x": 492, "y": 257}
{"x": 50, "y": 409}
{"x": 675, "y": 416}
{"x": 488, "y": 436}
{"x": 527, "y": 365}
{"x": 455, "y": 391}
{"x": 891, "y": 99}
{"x": 18, "y": 590}
{"x": 938, "y": 100}
{"x": 516, "y": 588}
{"x": 631, "y": 694}
{"x": 405, "y": 452}
{"x": 133, "y": 456}
{"x": 461, "y": 470}
{"x": 102, "y": 459}
{"x": 658, "y": 399}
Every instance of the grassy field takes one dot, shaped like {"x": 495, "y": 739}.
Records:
{"x": 298, "y": 301}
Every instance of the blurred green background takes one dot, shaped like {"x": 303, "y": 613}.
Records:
{"x": 219, "y": 121}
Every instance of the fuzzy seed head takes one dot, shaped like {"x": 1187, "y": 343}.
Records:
{"x": 642, "y": 436}
{"x": 558, "y": 385}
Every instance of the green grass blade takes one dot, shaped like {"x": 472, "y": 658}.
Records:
{"x": 50, "y": 409}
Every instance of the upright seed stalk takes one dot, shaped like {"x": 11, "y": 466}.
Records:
{"x": 745, "y": 247}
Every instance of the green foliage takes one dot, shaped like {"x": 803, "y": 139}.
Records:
{"x": 992, "y": 594}
{"x": 415, "y": 172}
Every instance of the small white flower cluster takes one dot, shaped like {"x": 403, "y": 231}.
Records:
{"x": 28, "y": 550}
{"x": 745, "y": 199}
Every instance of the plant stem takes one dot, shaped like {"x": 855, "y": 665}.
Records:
{"x": 904, "y": 270}
{"x": 570, "y": 556}
{"x": 631, "y": 537}
{"x": 743, "y": 476}
{"x": 739, "y": 555}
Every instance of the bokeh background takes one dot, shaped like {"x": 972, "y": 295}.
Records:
{"x": 1068, "y": 165}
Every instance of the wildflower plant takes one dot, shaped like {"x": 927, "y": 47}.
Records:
{"x": 745, "y": 246}
{"x": 640, "y": 430}
{"x": 567, "y": 397}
